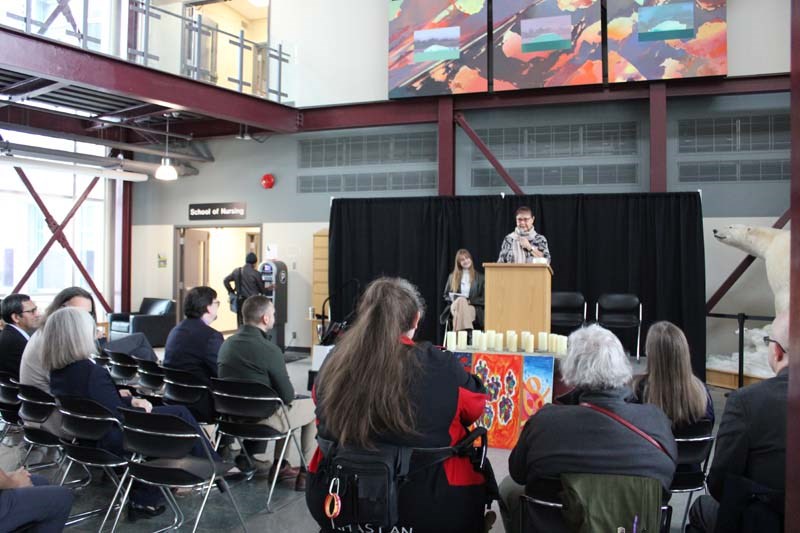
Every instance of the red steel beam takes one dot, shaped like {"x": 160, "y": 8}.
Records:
{"x": 561, "y": 95}
{"x": 739, "y": 270}
{"x": 43, "y": 58}
{"x": 658, "y": 137}
{"x": 725, "y": 86}
{"x": 461, "y": 121}
{"x": 58, "y": 235}
{"x": 793, "y": 400}
{"x": 447, "y": 148}
{"x": 396, "y": 112}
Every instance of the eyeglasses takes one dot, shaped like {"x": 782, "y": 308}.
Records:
{"x": 523, "y": 219}
{"x": 215, "y": 302}
{"x": 768, "y": 340}
{"x": 31, "y": 310}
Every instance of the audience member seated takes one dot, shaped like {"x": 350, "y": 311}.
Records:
{"x": 669, "y": 383}
{"x": 29, "y": 503}
{"x": 32, "y": 370}
{"x": 68, "y": 341}
{"x": 575, "y": 438}
{"x": 22, "y": 318}
{"x": 249, "y": 355}
{"x": 464, "y": 293}
{"x": 751, "y": 440}
{"x": 380, "y": 387}
{"x": 193, "y": 344}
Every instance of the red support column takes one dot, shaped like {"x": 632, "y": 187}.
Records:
{"x": 461, "y": 121}
{"x": 447, "y": 147}
{"x": 793, "y": 408}
{"x": 127, "y": 207}
{"x": 658, "y": 137}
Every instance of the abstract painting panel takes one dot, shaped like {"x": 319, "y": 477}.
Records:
{"x": 501, "y": 374}
{"x": 546, "y": 43}
{"x": 437, "y": 47}
{"x": 537, "y": 385}
{"x": 666, "y": 39}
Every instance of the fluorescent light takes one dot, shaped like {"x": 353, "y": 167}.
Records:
{"x": 260, "y": 3}
{"x": 100, "y": 172}
{"x": 166, "y": 172}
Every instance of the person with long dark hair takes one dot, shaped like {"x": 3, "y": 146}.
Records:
{"x": 464, "y": 292}
{"x": 669, "y": 383}
{"x": 378, "y": 387}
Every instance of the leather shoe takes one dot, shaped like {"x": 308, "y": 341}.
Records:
{"x": 301, "y": 480}
{"x": 255, "y": 468}
{"x": 286, "y": 472}
{"x": 136, "y": 511}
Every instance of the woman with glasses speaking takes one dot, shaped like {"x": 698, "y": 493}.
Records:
{"x": 524, "y": 245}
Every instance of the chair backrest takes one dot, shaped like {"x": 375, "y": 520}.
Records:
{"x": 157, "y": 306}
{"x": 122, "y": 365}
{"x": 157, "y": 435}
{"x": 36, "y": 404}
{"x": 618, "y": 310}
{"x": 182, "y": 387}
{"x": 694, "y": 443}
{"x": 102, "y": 360}
{"x": 9, "y": 389}
{"x": 239, "y": 398}
{"x": 567, "y": 309}
{"x": 84, "y": 418}
{"x": 151, "y": 374}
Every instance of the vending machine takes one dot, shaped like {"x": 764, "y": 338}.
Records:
{"x": 275, "y": 278}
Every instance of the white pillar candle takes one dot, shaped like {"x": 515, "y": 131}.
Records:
{"x": 512, "y": 341}
{"x": 450, "y": 341}
{"x": 529, "y": 345}
{"x": 562, "y": 349}
{"x": 551, "y": 343}
{"x": 498, "y": 342}
{"x": 541, "y": 345}
{"x": 461, "y": 340}
{"x": 481, "y": 346}
{"x": 476, "y": 338}
{"x": 490, "y": 339}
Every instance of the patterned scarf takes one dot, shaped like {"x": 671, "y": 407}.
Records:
{"x": 520, "y": 254}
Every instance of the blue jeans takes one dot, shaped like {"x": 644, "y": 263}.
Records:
{"x": 45, "y": 508}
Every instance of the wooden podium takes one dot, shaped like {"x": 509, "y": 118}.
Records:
{"x": 517, "y": 297}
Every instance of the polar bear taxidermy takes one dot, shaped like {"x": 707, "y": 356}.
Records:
{"x": 771, "y": 245}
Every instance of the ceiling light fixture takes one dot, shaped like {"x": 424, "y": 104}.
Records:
{"x": 166, "y": 172}
{"x": 66, "y": 168}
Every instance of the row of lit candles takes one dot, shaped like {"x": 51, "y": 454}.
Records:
{"x": 508, "y": 342}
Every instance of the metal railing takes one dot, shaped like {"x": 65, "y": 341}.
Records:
{"x": 187, "y": 43}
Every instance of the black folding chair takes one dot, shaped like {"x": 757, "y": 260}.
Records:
{"x": 36, "y": 406}
{"x": 123, "y": 368}
{"x": 694, "y": 448}
{"x": 161, "y": 446}
{"x": 183, "y": 388}
{"x": 88, "y": 421}
{"x": 102, "y": 360}
{"x": 567, "y": 312}
{"x": 151, "y": 376}
{"x": 238, "y": 400}
{"x": 9, "y": 404}
{"x": 620, "y": 311}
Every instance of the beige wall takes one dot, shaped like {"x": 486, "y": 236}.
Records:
{"x": 147, "y": 279}
{"x": 227, "y": 249}
{"x": 758, "y": 37}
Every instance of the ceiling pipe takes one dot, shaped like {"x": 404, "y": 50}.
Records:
{"x": 22, "y": 162}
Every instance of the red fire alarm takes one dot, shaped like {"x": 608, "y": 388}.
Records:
{"x": 268, "y": 181}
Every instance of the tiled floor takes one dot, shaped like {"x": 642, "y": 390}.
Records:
{"x": 289, "y": 508}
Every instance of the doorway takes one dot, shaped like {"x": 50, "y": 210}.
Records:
{"x": 205, "y": 255}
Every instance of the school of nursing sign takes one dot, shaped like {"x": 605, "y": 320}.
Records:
{"x": 227, "y": 211}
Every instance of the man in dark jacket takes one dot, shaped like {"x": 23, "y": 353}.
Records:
{"x": 248, "y": 355}
{"x": 574, "y": 438}
{"x": 247, "y": 282}
{"x": 22, "y": 318}
{"x": 751, "y": 440}
{"x": 193, "y": 345}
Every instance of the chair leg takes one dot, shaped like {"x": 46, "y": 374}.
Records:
{"x": 275, "y": 477}
{"x": 66, "y": 472}
{"x": 120, "y": 483}
{"x": 203, "y": 505}
{"x": 233, "y": 502}
{"x": 122, "y": 505}
{"x": 27, "y": 454}
{"x": 299, "y": 449}
{"x": 686, "y": 511}
{"x": 177, "y": 522}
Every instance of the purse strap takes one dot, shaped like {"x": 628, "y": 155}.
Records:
{"x": 628, "y": 425}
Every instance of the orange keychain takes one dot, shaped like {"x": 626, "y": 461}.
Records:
{"x": 333, "y": 503}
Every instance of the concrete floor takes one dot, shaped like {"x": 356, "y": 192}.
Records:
{"x": 289, "y": 509}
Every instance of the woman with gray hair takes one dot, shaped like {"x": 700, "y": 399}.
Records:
{"x": 577, "y": 438}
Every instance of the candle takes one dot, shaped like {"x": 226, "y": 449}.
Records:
{"x": 529, "y": 344}
{"x": 553, "y": 343}
{"x": 541, "y": 346}
{"x": 490, "y": 339}
{"x": 563, "y": 345}
{"x": 512, "y": 341}
{"x": 461, "y": 340}
{"x": 450, "y": 341}
{"x": 476, "y": 338}
{"x": 481, "y": 346}
{"x": 498, "y": 342}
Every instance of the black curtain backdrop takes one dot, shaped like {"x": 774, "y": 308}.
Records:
{"x": 648, "y": 244}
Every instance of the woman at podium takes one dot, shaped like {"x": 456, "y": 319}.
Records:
{"x": 464, "y": 292}
{"x": 524, "y": 245}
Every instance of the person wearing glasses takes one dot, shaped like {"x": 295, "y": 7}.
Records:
{"x": 524, "y": 245}
{"x": 750, "y": 452}
{"x": 193, "y": 344}
{"x": 22, "y": 319}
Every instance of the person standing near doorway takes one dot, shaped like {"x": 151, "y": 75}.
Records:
{"x": 247, "y": 282}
